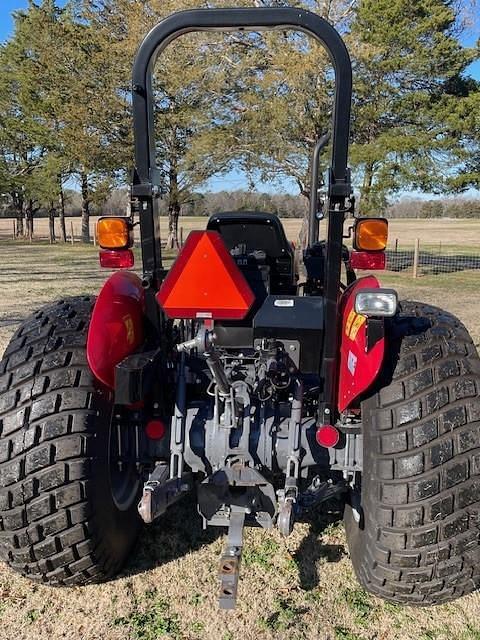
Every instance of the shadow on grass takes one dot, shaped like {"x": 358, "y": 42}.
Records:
{"x": 180, "y": 531}
{"x": 312, "y": 548}
{"x": 172, "y": 536}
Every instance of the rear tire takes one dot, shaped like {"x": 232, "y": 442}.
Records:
{"x": 418, "y": 538}
{"x": 59, "y": 521}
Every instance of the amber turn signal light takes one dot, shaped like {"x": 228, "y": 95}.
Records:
{"x": 370, "y": 234}
{"x": 114, "y": 233}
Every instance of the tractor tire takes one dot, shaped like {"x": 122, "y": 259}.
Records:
{"x": 416, "y": 538}
{"x": 59, "y": 521}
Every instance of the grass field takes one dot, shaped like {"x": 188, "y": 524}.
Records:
{"x": 460, "y": 234}
{"x": 299, "y": 588}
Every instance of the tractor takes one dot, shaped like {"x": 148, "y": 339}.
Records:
{"x": 264, "y": 389}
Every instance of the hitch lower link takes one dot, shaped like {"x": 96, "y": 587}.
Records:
{"x": 169, "y": 482}
{"x": 160, "y": 491}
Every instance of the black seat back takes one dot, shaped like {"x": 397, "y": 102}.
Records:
{"x": 258, "y": 244}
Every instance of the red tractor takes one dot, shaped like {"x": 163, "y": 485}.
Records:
{"x": 229, "y": 377}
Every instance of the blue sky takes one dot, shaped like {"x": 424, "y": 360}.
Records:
{"x": 6, "y": 20}
{"x": 233, "y": 180}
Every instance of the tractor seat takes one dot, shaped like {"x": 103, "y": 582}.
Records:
{"x": 259, "y": 246}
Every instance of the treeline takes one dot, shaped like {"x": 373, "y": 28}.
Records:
{"x": 441, "y": 208}
{"x": 284, "y": 205}
{"x": 201, "y": 204}
{"x": 292, "y": 206}
{"x": 250, "y": 102}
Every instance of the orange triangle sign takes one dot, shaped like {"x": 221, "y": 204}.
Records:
{"x": 205, "y": 282}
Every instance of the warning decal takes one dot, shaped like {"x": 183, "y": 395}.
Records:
{"x": 353, "y": 324}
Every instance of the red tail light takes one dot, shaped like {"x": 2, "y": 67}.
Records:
{"x": 327, "y": 436}
{"x": 118, "y": 259}
{"x": 366, "y": 261}
{"x": 205, "y": 282}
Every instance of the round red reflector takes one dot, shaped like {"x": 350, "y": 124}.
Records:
{"x": 155, "y": 429}
{"x": 327, "y": 436}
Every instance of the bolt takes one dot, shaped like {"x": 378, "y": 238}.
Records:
{"x": 292, "y": 347}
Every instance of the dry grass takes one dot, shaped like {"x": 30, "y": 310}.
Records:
{"x": 447, "y": 232}
{"x": 299, "y": 588}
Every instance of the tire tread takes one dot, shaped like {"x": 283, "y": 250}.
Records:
{"x": 421, "y": 541}
{"x": 46, "y": 444}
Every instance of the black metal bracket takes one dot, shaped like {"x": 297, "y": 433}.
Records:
{"x": 375, "y": 331}
{"x": 143, "y": 190}
{"x": 314, "y": 184}
{"x": 135, "y": 375}
{"x": 318, "y": 493}
{"x": 340, "y": 187}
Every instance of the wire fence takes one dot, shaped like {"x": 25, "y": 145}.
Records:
{"x": 424, "y": 258}
{"x": 419, "y": 262}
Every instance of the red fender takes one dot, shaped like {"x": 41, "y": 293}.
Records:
{"x": 358, "y": 367}
{"x": 116, "y": 326}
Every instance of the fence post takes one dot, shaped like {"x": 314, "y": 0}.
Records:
{"x": 71, "y": 231}
{"x": 94, "y": 235}
{"x": 14, "y": 229}
{"x": 181, "y": 236}
{"x": 396, "y": 245}
{"x": 416, "y": 254}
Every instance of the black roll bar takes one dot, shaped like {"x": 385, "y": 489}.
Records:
{"x": 145, "y": 180}
{"x": 234, "y": 19}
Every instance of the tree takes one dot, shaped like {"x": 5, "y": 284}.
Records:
{"x": 29, "y": 111}
{"x": 410, "y": 90}
{"x": 90, "y": 106}
{"x": 432, "y": 209}
{"x": 193, "y": 114}
{"x": 21, "y": 135}
{"x": 415, "y": 112}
